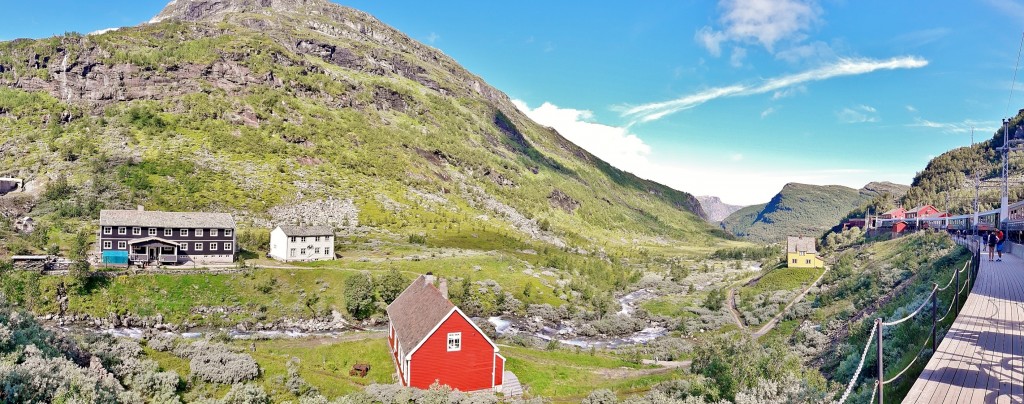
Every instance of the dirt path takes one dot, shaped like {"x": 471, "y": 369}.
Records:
{"x": 730, "y": 300}
{"x": 778, "y": 317}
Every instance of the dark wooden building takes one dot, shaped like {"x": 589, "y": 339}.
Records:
{"x": 169, "y": 238}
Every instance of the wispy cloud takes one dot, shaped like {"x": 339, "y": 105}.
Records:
{"x": 769, "y": 111}
{"x": 961, "y": 127}
{"x": 1009, "y": 7}
{"x": 433, "y": 37}
{"x": 844, "y": 67}
{"x": 911, "y": 108}
{"x": 858, "y": 114}
{"x": 762, "y": 22}
{"x": 736, "y": 157}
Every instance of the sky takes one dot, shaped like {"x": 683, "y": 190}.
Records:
{"x": 732, "y": 98}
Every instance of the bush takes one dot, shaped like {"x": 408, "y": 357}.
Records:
{"x": 246, "y": 394}
{"x": 216, "y": 363}
{"x": 359, "y": 295}
{"x": 602, "y": 396}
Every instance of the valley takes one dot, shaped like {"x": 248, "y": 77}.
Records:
{"x": 429, "y": 188}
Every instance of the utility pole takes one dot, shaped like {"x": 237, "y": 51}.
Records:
{"x": 974, "y": 222}
{"x": 1004, "y": 209}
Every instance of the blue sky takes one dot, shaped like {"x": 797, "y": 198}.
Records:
{"x": 732, "y": 98}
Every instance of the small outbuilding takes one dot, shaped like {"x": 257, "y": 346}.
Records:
{"x": 431, "y": 340}
{"x": 302, "y": 243}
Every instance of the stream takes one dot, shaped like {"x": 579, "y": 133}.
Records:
{"x": 567, "y": 335}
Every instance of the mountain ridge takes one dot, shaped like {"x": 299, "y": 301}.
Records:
{"x": 804, "y": 210}
{"x": 232, "y": 106}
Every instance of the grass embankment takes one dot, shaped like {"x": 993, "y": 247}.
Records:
{"x": 567, "y": 376}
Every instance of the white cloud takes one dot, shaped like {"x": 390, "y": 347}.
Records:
{"x": 961, "y": 127}
{"x": 769, "y": 111}
{"x": 858, "y": 114}
{"x": 789, "y": 92}
{"x": 736, "y": 183}
{"x": 433, "y": 37}
{"x": 1009, "y": 7}
{"x": 764, "y": 22}
{"x": 910, "y": 108}
{"x": 616, "y": 145}
{"x": 104, "y": 31}
{"x": 738, "y": 54}
{"x": 844, "y": 67}
{"x": 813, "y": 51}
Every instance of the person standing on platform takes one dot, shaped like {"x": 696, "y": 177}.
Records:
{"x": 1000, "y": 237}
{"x": 991, "y": 240}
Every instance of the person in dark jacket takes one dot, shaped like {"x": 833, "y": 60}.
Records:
{"x": 991, "y": 240}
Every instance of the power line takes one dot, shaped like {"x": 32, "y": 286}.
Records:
{"x": 1015, "y": 66}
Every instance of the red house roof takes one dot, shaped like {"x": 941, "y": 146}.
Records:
{"x": 894, "y": 211}
{"x": 417, "y": 311}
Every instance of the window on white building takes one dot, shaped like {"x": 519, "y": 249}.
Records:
{"x": 302, "y": 251}
{"x": 291, "y": 253}
{"x": 454, "y": 341}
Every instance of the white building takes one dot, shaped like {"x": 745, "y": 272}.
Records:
{"x": 302, "y": 243}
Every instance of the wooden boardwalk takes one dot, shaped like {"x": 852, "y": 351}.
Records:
{"x": 979, "y": 360}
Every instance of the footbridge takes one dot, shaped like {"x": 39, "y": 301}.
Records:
{"x": 979, "y": 359}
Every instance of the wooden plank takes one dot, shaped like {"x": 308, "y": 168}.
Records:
{"x": 980, "y": 358}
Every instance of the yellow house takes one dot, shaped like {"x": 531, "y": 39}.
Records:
{"x": 800, "y": 253}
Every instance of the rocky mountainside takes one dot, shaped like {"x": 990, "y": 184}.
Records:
{"x": 715, "y": 209}
{"x": 304, "y": 110}
{"x": 804, "y": 210}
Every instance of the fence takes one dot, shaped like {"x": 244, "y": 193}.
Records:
{"x": 876, "y": 334}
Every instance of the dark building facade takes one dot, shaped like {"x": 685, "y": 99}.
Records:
{"x": 169, "y": 238}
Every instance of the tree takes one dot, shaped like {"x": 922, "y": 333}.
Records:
{"x": 359, "y": 295}
{"x": 390, "y": 285}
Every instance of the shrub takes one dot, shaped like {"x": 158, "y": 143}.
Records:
{"x": 602, "y": 396}
{"x": 216, "y": 363}
{"x": 246, "y": 394}
{"x": 359, "y": 295}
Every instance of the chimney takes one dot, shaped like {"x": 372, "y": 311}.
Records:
{"x": 443, "y": 287}
{"x": 140, "y": 208}
{"x": 429, "y": 277}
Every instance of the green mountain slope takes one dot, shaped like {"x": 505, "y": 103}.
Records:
{"x": 801, "y": 209}
{"x": 305, "y": 110}
{"x": 949, "y": 178}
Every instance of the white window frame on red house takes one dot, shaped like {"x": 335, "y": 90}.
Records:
{"x": 454, "y": 341}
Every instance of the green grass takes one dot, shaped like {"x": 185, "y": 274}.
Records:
{"x": 782, "y": 279}
{"x": 566, "y": 376}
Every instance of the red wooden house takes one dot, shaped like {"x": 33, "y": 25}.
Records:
{"x": 432, "y": 340}
{"x": 898, "y": 213}
{"x": 922, "y": 212}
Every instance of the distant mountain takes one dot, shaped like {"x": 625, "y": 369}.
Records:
{"x": 807, "y": 210}
{"x": 716, "y": 209}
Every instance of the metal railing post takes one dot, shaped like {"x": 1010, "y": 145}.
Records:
{"x": 935, "y": 311}
{"x": 956, "y": 293}
{"x": 881, "y": 371}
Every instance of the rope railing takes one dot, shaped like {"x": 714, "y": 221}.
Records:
{"x": 860, "y": 366}
{"x": 877, "y": 390}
